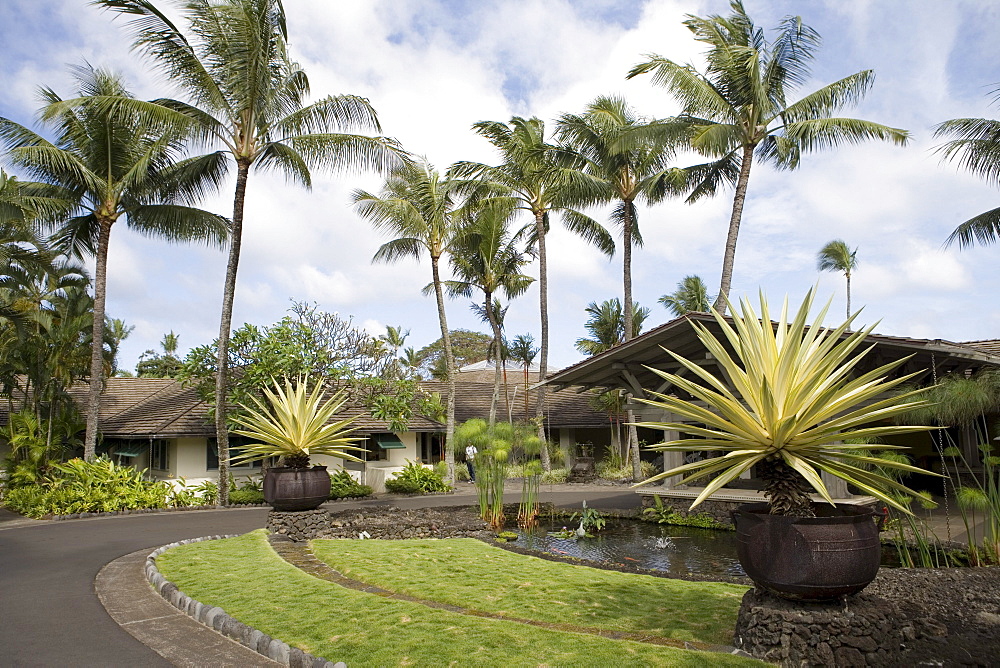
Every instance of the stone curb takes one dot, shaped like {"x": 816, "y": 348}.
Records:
{"x": 216, "y": 618}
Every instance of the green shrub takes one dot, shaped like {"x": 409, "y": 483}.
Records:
{"x": 415, "y": 478}
{"x": 89, "y": 487}
{"x": 397, "y": 486}
{"x": 610, "y": 470}
{"x": 662, "y": 514}
{"x": 555, "y": 476}
{"x": 244, "y": 497}
{"x": 344, "y": 486}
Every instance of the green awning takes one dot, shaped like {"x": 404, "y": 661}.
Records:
{"x": 128, "y": 452}
{"x": 388, "y": 441}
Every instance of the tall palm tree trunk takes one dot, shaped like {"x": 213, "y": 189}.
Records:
{"x": 225, "y": 326}
{"x": 449, "y": 361}
{"x": 848, "y": 274}
{"x": 543, "y": 350}
{"x": 627, "y": 269}
{"x": 629, "y": 334}
{"x": 734, "y": 229}
{"x": 97, "y": 343}
{"x": 497, "y": 357}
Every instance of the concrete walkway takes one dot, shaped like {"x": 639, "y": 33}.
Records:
{"x": 51, "y": 615}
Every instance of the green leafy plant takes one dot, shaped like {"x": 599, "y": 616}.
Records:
{"x": 246, "y": 497}
{"x": 344, "y": 486}
{"x": 795, "y": 398}
{"x": 415, "y": 478}
{"x": 294, "y": 424}
{"x": 661, "y": 514}
{"x": 88, "y": 487}
{"x": 494, "y": 444}
{"x": 591, "y": 519}
{"x": 527, "y": 510}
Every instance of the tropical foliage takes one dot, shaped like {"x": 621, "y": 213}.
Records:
{"x": 738, "y": 109}
{"x": 110, "y": 160}
{"x": 294, "y": 422}
{"x": 797, "y": 393}
{"x": 248, "y": 98}
{"x": 975, "y": 147}
{"x": 691, "y": 295}
{"x": 838, "y": 256}
{"x": 417, "y": 208}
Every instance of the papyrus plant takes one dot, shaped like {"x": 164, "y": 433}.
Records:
{"x": 295, "y": 423}
{"x": 796, "y": 395}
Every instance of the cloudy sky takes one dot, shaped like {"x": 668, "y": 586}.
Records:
{"x": 432, "y": 68}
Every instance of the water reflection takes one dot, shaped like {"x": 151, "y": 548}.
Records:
{"x": 674, "y": 550}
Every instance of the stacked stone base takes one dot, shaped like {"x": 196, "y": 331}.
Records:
{"x": 861, "y": 630}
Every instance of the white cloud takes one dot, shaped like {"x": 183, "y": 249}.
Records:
{"x": 432, "y": 69}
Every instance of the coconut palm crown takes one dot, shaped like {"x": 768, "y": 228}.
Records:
{"x": 295, "y": 423}
{"x": 796, "y": 396}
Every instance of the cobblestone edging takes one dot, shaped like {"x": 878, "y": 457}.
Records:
{"x": 217, "y": 619}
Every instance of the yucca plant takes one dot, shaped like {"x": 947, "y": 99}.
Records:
{"x": 796, "y": 396}
{"x": 294, "y": 424}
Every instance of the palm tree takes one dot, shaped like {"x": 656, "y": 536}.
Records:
{"x": 113, "y": 162}
{"x": 247, "y": 97}
{"x": 976, "y": 147}
{"x": 486, "y": 258}
{"x": 169, "y": 344}
{"x": 532, "y": 177}
{"x": 606, "y": 326}
{"x": 838, "y": 256}
{"x": 737, "y": 109}
{"x": 621, "y": 160}
{"x": 117, "y": 331}
{"x": 523, "y": 350}
{"x": 416, "y": 207}
{"x": 691, "y": 295}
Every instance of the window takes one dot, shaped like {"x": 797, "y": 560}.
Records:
{"x": 430, "y": 448}
{"x": 159, "y": 455}
{"x": 374, "y": 452}
{"x": 212, "y": 452}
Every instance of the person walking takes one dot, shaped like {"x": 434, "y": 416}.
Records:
{"x": 470, "y": 456}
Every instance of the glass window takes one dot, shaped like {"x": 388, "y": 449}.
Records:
{"x": 212, "y": 452}
{"x": 159, "y": 455}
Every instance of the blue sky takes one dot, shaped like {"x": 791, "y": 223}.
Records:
{"x": 433, "y": 68}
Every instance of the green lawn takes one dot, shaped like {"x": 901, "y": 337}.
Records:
{"x": 248, "y": 580}
{"x": 472, "y": 574}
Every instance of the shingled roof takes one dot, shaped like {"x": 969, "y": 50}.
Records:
{"x": 565, "y": 409}
{"x": 628, "y": 365}
{"x": 163, "y": 408}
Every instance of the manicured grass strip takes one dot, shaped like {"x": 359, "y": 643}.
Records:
{"x": 471, "y": 574}
{"x": 248, "y": 580}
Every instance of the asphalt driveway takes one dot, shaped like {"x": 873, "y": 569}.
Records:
{"x": 49, "y": 611}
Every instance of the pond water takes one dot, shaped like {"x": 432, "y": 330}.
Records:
{"x": 671, "y": 549}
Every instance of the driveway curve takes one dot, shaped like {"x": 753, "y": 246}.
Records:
{"x": 50, "y": 614}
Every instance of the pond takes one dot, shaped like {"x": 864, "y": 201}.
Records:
{"x": 674, "y": 550}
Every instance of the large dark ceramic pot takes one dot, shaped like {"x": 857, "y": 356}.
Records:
{"x": 296, "y": 489}
{"x": 834, "y": 554}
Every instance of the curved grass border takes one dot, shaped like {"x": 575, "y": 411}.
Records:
{"x": 218, "y": 620}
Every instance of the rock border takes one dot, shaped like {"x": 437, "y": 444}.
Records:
{"x": 216, "y": 618}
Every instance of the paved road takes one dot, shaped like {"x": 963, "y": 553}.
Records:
{"x": 50, "y": 614}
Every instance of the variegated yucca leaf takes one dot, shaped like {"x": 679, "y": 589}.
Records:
{"x": 295, "y": 421}
{"x": 796, "y": 394}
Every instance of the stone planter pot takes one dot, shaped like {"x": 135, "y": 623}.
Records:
{"x": 296, "y": 489}
{"x": 834, "y": 554}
